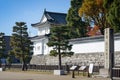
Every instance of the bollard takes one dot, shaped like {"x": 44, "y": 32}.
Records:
{"x": 88, "y": 74}
{"x": 73, "y": 74}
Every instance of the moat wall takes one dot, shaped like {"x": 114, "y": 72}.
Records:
{"x": 77, "y": 59}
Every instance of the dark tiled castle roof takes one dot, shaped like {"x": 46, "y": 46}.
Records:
{"x": 56, "y": 18}
{"x": 37, "y": 37}
{"x": 53, "y": 18}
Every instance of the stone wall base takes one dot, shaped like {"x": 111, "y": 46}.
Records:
{"x": 77, "y": 59}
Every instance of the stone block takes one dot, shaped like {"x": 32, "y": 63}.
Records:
{"x": 1, "y": 69}
{"x": 103, "y": 73}
{"x": 59, "y": 72}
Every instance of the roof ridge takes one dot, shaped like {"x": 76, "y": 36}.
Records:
{"x": 55, "y": 12}
{"x": 7, "y": 36}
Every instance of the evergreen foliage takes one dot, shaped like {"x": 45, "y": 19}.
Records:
{"x": 77, "y": 27}
{"x": 2, "y": 46}
{"x": 58, "y": 39}
{"x": 21, "y": 44}
{"x": 113, "y": 13}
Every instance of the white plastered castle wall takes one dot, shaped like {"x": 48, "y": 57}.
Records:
{"x": 40, "y": 45}
{"x": 44, "y": 29}
{"x": 90, "y": 47}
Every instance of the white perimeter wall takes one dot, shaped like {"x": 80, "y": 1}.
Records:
{"x": 93, "y": 47}
{"x": 40, "y": 47}
{"x": 88, "y": 47}
{"x": 117, "y": 45}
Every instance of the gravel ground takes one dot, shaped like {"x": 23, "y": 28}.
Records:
{"x": 34, "y": 76}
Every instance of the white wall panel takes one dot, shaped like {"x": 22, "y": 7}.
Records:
{"x": 91, "y": 47}
{"x": 88, "y": 47}
{"x": 117, "y": 45}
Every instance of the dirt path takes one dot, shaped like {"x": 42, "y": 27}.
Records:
{"x": 33, "y": 76}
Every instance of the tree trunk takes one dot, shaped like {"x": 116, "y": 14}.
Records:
{"x": 0, "y": 62}
{"x": 24, "y": 66}
{"x": 59, "y": 58}
{"x": 102, "y": 31}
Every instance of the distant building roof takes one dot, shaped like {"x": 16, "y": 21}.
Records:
{"x": 96, "y": 38}
{"x": 52, "y": 18}
{"x": 7, "y": 43}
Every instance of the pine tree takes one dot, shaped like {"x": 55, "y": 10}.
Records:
{"x": 20, "y": 44}
{"x": 2, "y": 46}
{"x": 113, "y": 13}
{"x": 58, "y": 39}
{"x": 74, "y": 21}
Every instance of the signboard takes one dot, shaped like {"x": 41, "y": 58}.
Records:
{"x": 73, "y": 67}
{"x": 82, "y": 68}
{"x": 90, "y": 68}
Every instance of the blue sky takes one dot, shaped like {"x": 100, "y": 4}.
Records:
{"x": 29, "y": 11}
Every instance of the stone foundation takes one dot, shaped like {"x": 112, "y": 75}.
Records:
{"x": 77, "y": 59}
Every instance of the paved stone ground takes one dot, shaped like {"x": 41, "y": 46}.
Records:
{"x": 34, "y": 76}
